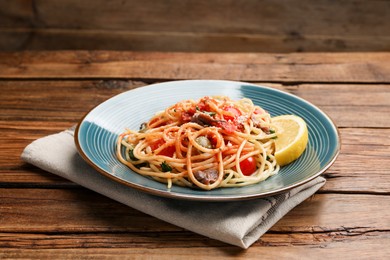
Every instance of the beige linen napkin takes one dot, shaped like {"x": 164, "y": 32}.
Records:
{"x": 239, "y": 223}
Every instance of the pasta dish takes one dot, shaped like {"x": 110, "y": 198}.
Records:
{"x": 208, "y": 143}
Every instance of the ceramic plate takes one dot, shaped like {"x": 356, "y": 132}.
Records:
{"x": 97, "y": 132}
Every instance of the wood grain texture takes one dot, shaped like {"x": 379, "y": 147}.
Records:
{"x": 93, "y": 222}
{"x": 46, "y": 217}
{"x": 71, "y": 39}
{"x": 217, "y": 25}
{"x": 84, "y": 211}
{"x": 287, "y": 68}
{"x": 365, "y": 249}
{"x": 346, "y": 104}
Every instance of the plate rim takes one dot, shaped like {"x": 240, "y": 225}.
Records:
{"x": 210, "y": 198}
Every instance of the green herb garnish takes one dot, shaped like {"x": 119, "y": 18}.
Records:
{"x": 165, "y": 167}
{"x": 131, "y": 154}
{"x": 139, "y": 166}
{"x": 271, "y": 131}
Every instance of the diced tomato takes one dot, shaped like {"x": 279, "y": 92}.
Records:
{"x": 227, "y": 126}
{"x": 157, "y": 144}
{"x": 202, "y": 106}
{"x": 168, "y": 151}
{"x": 234, "y": 111}
{"x": 191, "y": 111}
{"x": 248, "y": 166}
{"x": 186, "y": 117}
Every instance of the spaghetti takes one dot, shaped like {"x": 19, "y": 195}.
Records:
{"x": 207, "y": 143}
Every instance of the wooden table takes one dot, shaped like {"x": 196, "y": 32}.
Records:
{"x": 44, "y": 216}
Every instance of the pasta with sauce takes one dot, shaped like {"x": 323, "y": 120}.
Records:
{"x": 207, "y": 143}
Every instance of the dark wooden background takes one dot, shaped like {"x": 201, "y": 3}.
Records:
{"x": 196, "y": 25}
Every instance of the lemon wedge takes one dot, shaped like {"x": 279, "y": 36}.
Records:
{"x": 292, "y": 138}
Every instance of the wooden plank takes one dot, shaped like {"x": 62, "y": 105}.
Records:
{"x": 232, "y": 16}
{"x": 359, "y": 249}
{"x": 343, "y": 94}
{"x": 308, "y": 67}
{"x": 175, "y": 239}
{"x": 17, "y": 14}
{"x": 12, "y": 40}
{"x": 134, "y": 240}
{"x": 348, "y": 105}
{"x": 364, "y": 159}
{"x": 294, "y": 17}
{"x": 37, "y": 101}
{"x": 84, "y": 211}
{"x": 40, "y": 101}
{"x": 97, "y": 225}
{"x": 26, "y": 175}
{"x": 159, "y": 25}
{"x": 73, "y": 210}
{"x": 75, "y": 39}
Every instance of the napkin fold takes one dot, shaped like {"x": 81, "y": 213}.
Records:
{"x": 239, "y": 223}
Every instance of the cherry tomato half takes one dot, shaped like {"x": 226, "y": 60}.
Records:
{"x": 248, "y": 166}
{"x": 234, "y": 111}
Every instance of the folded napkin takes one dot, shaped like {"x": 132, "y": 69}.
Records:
{"x": 239, "y": 223}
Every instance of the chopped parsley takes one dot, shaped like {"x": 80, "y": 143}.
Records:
{"x": 131, "y": 154}
{"x": 165, "y": 167}
{"x": 271, "y": 131}
{"x": 139, "y": 166}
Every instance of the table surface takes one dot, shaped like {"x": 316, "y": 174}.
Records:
{"x": 45, "y": 216}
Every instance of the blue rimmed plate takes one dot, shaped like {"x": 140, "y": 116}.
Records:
{"x": 96, "y": 135}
